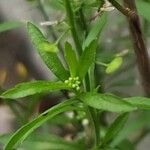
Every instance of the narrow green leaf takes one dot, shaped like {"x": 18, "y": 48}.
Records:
{"x": 87, "y": 59}
{"x": 115, "y": 128}
{"x": 28, "y": 128}
{"x": 106, "y": 102}
{"x": 49, "y": 142}
{"x": 51, "y": 145}
{"x": 31, "y": 88}
{"x": 71, "y": 59}
{"x": 95, "y": 30}
{"x": 140, "y": 102}
{"x": 47, "y": 52}
{"x": 5, "y": 26}
{"x": 132, "y": 126}
{"x": 143, "y": 9}
{"x": 114, "y": 65}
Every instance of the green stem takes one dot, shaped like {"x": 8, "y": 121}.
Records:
{"x": 75, "y": 36}
{"x": 92, "y": 114}
{"x": 101, "y": 63}
{"x": 46, "y": 17}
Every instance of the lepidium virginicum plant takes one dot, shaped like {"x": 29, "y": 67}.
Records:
{"x": 78, "y": 80}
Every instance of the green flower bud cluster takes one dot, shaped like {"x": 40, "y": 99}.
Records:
{"x": 73, "y": 82}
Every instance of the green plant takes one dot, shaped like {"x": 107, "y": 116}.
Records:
{"x": 78, "y": 79}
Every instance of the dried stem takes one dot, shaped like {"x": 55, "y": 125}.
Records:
{"x": 129, "y": 10}
{"x": 139, "y": 47}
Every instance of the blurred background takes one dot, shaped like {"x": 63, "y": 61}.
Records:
{"x": 19, "y": 62}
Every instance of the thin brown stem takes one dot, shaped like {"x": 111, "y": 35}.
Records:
{"x": 130, "y": 13}
{"x": 129, "y": 10}
{"x": 139, "y": 46}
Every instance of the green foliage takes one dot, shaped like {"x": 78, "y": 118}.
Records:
{"x": 143, "y": 8}
{"x": 28, "y": 128}
{"x": 71, "y": 59}
{"x": 115, "y": 128}
{"x": 54, "y": 144}
{"x": 87, "y": 59}
{"x": 85, "y": 102}
{"x": 107, "y": 102}
{"x": 48, "y": 54}
{"x": 95, "y": 30}
{"x": 31, "y": 88}
{"x": 140, "y": 102}
{"x": 132, "y": 126}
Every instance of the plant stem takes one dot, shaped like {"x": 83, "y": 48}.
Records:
{"x": 139, "y": 47}
{"x": 46, "y": 17}
{"x": 124, "y": 10}
{"x": 92, "y": 113}
{"x": 101, "y": 63}
{"x": 75, "y": 36}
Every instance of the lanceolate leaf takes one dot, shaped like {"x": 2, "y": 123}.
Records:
{"x": 106, "y": 102}
{"x": 132, "y": 126}
{"x": 87, "y": 59}
{"x": 115, "y": 128}
{"x": 28, "y": 128}
{"x": 140, "y": 102}
{"x": 71, "y": 59}
{"x": 31, "y": 88}
{"x": 47, "y": 52}
{"x": 95, "y": 30}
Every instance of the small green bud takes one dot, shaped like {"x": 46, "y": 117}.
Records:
{"x": 114, "y": 65}
{"x": 70, "y": 78}
{"x": 73, "y": 85}
{"x": 66, "y": 81}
